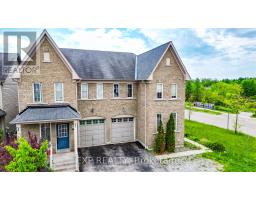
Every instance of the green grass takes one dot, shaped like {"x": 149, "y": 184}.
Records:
{"x": 240, "y": 149}
{"x": 204, "y": 110}
{"x": 191, "y": 146}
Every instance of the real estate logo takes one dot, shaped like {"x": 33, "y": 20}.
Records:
{"x": 19, "y": 53}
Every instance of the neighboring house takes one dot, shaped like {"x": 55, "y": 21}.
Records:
{"x": 82, "y": 98}
{"x": 8, "y": 97}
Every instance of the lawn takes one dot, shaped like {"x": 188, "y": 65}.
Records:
{"x": 240, "y": 149}
{"x": 203, "y": 110}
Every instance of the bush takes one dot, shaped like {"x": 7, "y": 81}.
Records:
{"x": 224, "y": 109}
{"x": 170, "y": 135}
{"x": 159, "y": 139}
{"x": 254, "y": 115}
{"x": 194, "y": 138}
{"x": 216, "y": 147}
{"x": 1, "y": 135}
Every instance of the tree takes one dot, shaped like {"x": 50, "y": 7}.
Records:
{"x": 189, "y": 90}
{"x": 249, "y": 87}
{"x": 159, "y": 145}
{"x": 26, "y": 158}
{"x": 198, "y": 90}
{"x": 237, "y": 105}
{"x": 170, "y": 135}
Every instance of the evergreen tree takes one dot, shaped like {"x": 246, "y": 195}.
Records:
{"x": 170, "y": 134}
{"x": 159, "y": 139}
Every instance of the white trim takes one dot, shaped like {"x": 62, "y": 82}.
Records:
{"x": 49, "y": 57}
{"x": 114, "y": 90}
{"x": 97, "y": 91}
{"x": 87, "y": 92}
{"x": 41, "y": 92}
{"x": 48, "y": 121}
{"x": 91, "y": 118}
{"x": 162, "y": 86}
{"x": 55, "y": 92}
{"x": 127, "y": 90}
{"x": 156, "y": 121}
{"x": 176, "y": 88}
{"x": 121, "y": 116}
{"x": 69, "y": 139}
{"x": 40, "y": 124}
{"x": 168, "y": 64}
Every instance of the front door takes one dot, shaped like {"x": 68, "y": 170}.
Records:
{"x": 62, "y": 136}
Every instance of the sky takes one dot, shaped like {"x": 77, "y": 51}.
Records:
{"x": 206, "y": 53}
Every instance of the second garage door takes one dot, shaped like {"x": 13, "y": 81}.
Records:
{"x": 92, "y": 132}
{"x": 122, "y": 129}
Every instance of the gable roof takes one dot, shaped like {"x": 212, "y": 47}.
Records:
{"x": 101, "y": 65}
{"x": 3, "y": 73}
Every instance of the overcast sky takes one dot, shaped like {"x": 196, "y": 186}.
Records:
{"x": 207, "y": 53}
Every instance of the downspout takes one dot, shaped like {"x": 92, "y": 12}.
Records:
{"x": 145, "y": 114}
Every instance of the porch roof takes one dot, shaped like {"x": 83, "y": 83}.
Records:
{"x": 46, "y": 113}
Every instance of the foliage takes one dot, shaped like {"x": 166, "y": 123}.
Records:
{"x": 159, "y": 139}
{"x": 1, "y": 135}
{"x": 215, "y": 146}
{"x": 5, "y": 157}
{"x": 254, "y": 115}
{"x": 26, "y": 158}
{"x": 204, "y": 110}
{"x": 249, "y": 87}
{"x": 191, "y": 146}
{"x": 170, "y": 134}
{"x": 239, "y": 152}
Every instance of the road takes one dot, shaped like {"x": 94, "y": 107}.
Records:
{"x": 246, "y": 124}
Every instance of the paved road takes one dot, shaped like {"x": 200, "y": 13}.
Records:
{"x": 247, "y": 124}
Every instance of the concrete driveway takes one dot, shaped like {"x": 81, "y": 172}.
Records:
{"x": 128, "y": 157}
{"x": 247, "y": 124}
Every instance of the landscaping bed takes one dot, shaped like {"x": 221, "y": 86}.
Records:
{"x": 239, "y": 153}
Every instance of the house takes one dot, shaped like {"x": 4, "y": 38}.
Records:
{"x": 81, "y": 98}
{"x": 8, "y": 97}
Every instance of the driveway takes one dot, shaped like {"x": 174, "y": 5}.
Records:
{"x": 128, "y": 157}
{"x": 246, "y": 124}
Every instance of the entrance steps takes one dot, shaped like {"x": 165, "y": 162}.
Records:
{"x": 64, "y": 162}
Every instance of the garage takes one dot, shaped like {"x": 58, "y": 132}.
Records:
{"x": 122, "y": 129}
{"x": 92, "y": 132}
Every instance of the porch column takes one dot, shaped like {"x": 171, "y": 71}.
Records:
{"x": 18, "y": 128}
{"x": 76, "y": 143}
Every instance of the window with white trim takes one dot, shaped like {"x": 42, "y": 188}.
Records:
{"x": 37, "y": 92}
{"x": 129, "y": 90}
{"x": 116, "y": 90}
{"x": 175, "y": 116}
{"x": 59, "y": 96}
{"x": 99, "y": 90}
{"x": 168, "y": 62}
{"x": 159, "y": 91}
{"x": 158, "y": 120}
{"x": 84, "y": 91}
{"x": 45, "y": 132}
{"x": 46, "y": 57}
{"x": 174, "y": 90}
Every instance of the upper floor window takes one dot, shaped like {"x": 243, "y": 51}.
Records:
{"x": 59, "y": 92}
{"x": 159, "y": 91}
{"x": 174, "y": 91}
{"x": 158, "y": 120}
{"x": 99, "y": 90}
{"x": 84, "y": 91}
{"x": 175, "y": 116}
{"x": 116, "y": 90}
{"x": 168, "y": 62}
{"x": 47, "y": 57}
{"x": 37, "y": 92}
{"x": 129, "y": 90}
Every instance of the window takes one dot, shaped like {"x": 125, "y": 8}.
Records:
{"x": 47, "y": 57}
{"x": 168, "y": 62}
{"x": 84, "y": 91}
{"x": 174, "y": 91}
{"x": 129, "y": 90}
{"x": 175, "y": 116}
{"x": 99, "y": 90}
{"x": 45, "y": 132}
{"x": 37, "y": 92}
{"x": 158, "y": 120}
{"x": 159, "y": 91}
{"x": 59, "y": 97}
{"x": 116, "y": 90}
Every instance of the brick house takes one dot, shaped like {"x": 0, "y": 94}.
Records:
{"x": 81, "y": 98}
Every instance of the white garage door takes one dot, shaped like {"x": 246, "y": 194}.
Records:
{"x": 92, "y": 132}
{"x": 122, "y": 129}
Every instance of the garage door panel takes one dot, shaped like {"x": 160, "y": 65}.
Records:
{"x": 122, "y": 130}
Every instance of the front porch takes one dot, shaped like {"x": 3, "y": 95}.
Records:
{"x": 56, "y": 123}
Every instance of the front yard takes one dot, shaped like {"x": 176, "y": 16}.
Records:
{"x": 240, "y": 149}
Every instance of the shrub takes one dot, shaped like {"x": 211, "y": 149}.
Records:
{"x": 159, "y": 139}
{"x": 1, "y": 135}
{"x": 254, "y": 115}
{"x": 170, "y": 135}
{"x": 26, "y": 158}
{"x": 216, "y": 147}
{"x": 187, "y": 135}
{"x": 194, "y": 138}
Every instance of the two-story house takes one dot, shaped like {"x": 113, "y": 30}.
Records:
{"x": 82, "y": 98}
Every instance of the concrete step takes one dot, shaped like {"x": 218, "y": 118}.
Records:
{"x": 66, "y": 169}
{"x": 66, "y": 163}
{"x": 63, "y": 162}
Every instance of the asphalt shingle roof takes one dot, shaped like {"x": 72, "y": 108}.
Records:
{"x": 37, "y": 113}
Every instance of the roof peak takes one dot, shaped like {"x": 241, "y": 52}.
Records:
{"x": 155, "y": 48}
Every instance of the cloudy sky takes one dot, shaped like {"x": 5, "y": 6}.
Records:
{"x": 207, "y": 53}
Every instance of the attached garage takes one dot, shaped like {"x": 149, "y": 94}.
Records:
{"x": 92, "y": 132}
{"x": 122, "y": 129}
